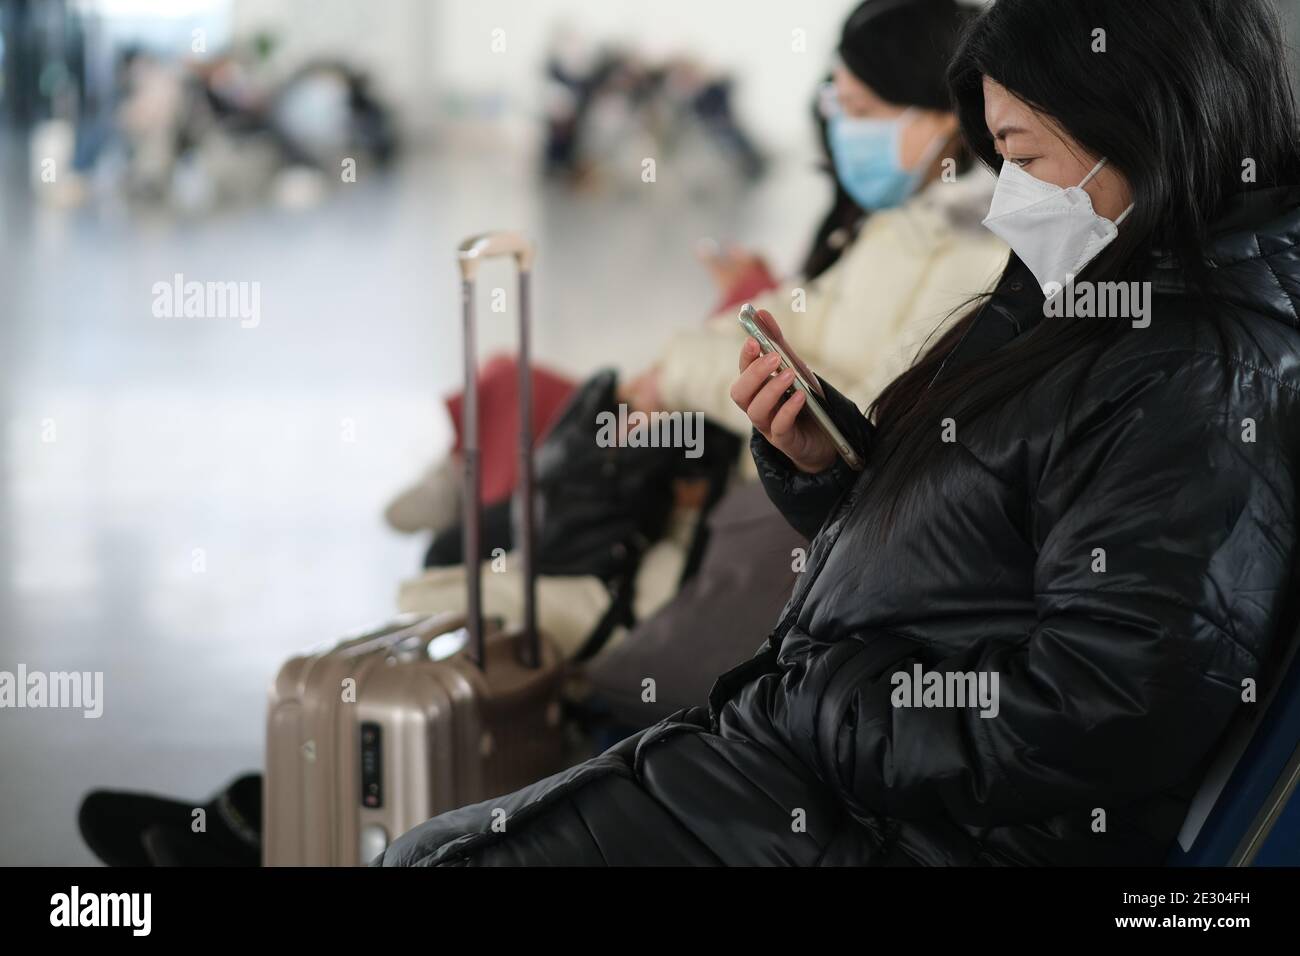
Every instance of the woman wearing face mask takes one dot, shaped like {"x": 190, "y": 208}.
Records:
{"x": 903, "y": 246}
{"x": 1073, "y": 547}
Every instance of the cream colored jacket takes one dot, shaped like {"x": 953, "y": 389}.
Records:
{"x": 861, "y": 322}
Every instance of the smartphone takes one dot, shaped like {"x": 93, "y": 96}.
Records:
{"x": 753, "y": 325}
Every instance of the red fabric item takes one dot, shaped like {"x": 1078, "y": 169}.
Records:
{"x": 498, "y": 416}
{"x": 752, "y": 282}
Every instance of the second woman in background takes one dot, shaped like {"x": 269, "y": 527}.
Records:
{"x": 901, "y": 249}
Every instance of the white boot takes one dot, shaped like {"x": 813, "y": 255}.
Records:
{"x": 432, "y": 503}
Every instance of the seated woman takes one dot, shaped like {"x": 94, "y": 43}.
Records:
{"x": 1024, "y": 627}
{"x": 900, "y": 250}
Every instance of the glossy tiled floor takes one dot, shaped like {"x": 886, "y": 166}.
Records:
{"x": 185, "y": 502}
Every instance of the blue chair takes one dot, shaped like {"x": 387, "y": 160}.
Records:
{"x": 1247, "y": 813}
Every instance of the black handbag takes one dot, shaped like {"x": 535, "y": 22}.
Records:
{"x": 598, "y": 505}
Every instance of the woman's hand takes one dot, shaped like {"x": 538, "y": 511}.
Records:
{"x": 762, "y": 397}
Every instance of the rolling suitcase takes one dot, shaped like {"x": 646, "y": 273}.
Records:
{"x": 378, "y": 733}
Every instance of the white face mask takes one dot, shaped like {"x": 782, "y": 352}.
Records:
{"x": 1054, "y": 231}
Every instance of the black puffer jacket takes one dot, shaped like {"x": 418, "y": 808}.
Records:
{"x": 1114, "y": 686}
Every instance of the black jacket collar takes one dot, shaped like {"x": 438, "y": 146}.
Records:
{"x": 1252, "y": 254}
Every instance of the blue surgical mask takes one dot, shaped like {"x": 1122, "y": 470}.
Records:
{"x": 866, "y": 156}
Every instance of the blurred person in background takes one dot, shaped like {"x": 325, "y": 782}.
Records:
{"x": 603, "y": 102}
{"x": 192, "y": 133}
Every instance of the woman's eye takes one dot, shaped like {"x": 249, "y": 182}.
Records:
{"x": 1022, "y": 163}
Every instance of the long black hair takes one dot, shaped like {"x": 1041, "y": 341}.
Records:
{"x": 1184, "y": 93}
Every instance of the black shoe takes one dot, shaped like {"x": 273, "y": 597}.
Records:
{"x": 134, "y": 829}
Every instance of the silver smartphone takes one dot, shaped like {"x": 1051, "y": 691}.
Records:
{"x": 753, "y": 325}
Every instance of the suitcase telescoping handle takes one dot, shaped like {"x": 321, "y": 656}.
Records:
{"x": 472, "y": 251}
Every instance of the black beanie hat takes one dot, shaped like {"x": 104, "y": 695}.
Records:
{"x": 901, "y": 48}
